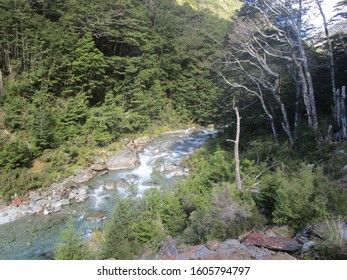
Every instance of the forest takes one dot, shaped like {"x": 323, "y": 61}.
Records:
{"x": 80, "y": 76}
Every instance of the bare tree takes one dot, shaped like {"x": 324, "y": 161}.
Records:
{"x": 337, "y": 109}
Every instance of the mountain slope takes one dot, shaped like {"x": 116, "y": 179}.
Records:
{"x": 222, "y": 8}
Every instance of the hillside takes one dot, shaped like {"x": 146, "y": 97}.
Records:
{"x": 222, "y": 8}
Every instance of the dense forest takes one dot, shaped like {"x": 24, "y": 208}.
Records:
{"x": 78, "y": 76}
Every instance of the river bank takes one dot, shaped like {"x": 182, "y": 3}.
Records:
{"x": 75, "y": 189}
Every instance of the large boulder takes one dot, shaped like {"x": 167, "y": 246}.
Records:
{"x": 272, "y": 241}
{"x": 97, "y": 167}
{"x": 122, "y": 160}
{"x": 96, "y": 215}
{"x": 83, "y": 177}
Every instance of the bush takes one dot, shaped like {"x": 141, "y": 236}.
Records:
{"x": 227, "y": 215}
{"x": 296, "y": 198}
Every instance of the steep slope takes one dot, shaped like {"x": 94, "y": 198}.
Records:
{"x": 222, "y": 8}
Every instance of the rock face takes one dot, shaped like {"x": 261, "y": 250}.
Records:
{"x": 122, "y": 160}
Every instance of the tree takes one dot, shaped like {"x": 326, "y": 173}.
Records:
{"x": 70, "y": 246}
{"x": 270, "y": 36}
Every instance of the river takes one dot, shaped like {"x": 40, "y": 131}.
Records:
{"x": 34, "y": 237}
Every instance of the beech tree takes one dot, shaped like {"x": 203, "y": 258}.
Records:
{"x": 267, "y": 39}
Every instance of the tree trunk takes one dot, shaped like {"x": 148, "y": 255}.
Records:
{"x": 285, "y": 122}
{"x": 308, "y": 78}
{"x": 343, "y": 112}
{"x": 297, "y": 117}
{"x": 337, "y": 111}
{"x": 236, "y": 150}
{"x": 272, "y": 120}
{"x": 2, "y": 87}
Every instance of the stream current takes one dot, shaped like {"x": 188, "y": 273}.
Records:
{"x": 34, "y": 237}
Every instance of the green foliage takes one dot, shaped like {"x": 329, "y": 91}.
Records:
{"x": 70, "y": 246}
{"x": 14, "y": 154}
{"x": 226, "y": 216}
{"x": 297, "y": 197}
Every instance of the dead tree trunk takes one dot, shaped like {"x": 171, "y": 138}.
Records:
{"x": 236, "y": 150}
{"x": 343, "y": 112}
{"x": 2, "y": 87}
{"x": 337, "y": 108}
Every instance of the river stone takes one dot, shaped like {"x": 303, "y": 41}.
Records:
{"x": 110, "y": 186}
{"x": 122, "y": 160}
{"x": 73, "y": 193}
{"x": 83, "y": 177}
{"x": 36, "y": 209}
{"x": 83, "y": 194}
{"x": 101, "y": 214}
{"x": 45, "y": 212}
{"x": 97, "y": 167}
{"x": 121, "y": 183}
{"x": 171, "y": 167}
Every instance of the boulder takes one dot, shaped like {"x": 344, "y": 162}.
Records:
{"x": 97, "y": 167}
{"x": 122, "y": 160}
{"x": 110, "y": 185}
{"x": 83, "y": 194}
{"x": 257, "y": 253}
{"x": 96, "y": 215}
{"x": 171, "y": 167}
{"x": 83, "y": 177}
{"x": 271, "y": 241}
{"x": 121, "y": 183}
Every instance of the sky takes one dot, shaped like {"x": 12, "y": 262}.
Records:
{"x": 328, "y": 7}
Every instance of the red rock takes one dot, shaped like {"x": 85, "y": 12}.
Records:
{"x": 271, "y": 241}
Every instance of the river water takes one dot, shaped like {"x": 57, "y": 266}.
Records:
{"x": 34, "y": 237}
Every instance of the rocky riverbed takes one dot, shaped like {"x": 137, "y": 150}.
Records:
{"x": 74, "y": 189}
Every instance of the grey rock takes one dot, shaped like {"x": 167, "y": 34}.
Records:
{"x": 83, "y": 177}
{"x": 122, "y": 160}
{"x": 170, "y": 167}
{"x": 97, "y": 167}
{"x": 96, "y": 215}
{"x": 110, "y": 185}
{"x": 307, "y": 246}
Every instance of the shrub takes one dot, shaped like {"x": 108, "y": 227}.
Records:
{"x": 296, "y": 198}
{"x": 226, "y": 216}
